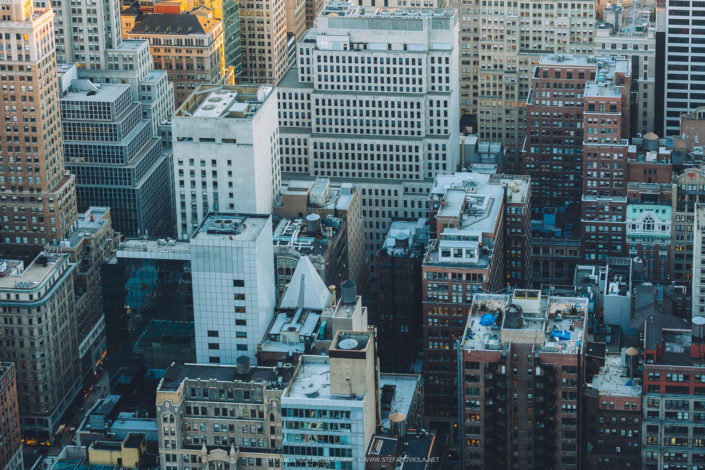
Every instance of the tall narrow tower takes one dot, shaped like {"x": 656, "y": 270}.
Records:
{"x": 38, "y": 197}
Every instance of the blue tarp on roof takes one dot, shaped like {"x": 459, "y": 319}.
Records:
{"x": 561, "y": 335}
{"x": 487, "y": 319}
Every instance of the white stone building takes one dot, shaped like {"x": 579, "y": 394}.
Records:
{"x": 374, "y": 98}
{"x": 226, "y": 153}
{"x": 232, "y": 269}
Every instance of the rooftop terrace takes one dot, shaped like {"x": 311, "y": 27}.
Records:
{"x": 224, "y": 101}
{"x": 551, "y": 323}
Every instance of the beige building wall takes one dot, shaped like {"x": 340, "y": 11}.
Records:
{"x": 296, "y": 18}
{"x": 38, "y": 196}
{"x": 499, "y": 47}
{"x": 263, "y": 27}
{"x": 189, "y": 58}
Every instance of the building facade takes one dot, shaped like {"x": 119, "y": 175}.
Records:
{"x": 232, "y": 266}
{"x": 465, "y": 259}
{"x": 117, "y": 161}
{"x": 263, "y": 27}
{"x": 35, "y": 174}
{"x": 221, "y": 416}
{"x": 226, "y": 153}
{"x": 648, "y": 235}
{"x": 683, "y": 76}
{"x": 606, "y": 120}
{"x": 38, "y": 305}
{"x": 521, "y": 369}
{"x": 189, "y": 47}
{"x": 374, "y": 104}
{"x": 688, "y": 191}
{"x": 11, "y": 444}
{"x": 398, "y": 317}
{"x": 500, "y": 46}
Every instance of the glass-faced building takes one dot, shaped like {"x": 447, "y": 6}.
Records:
{"x": 117, "y": 162}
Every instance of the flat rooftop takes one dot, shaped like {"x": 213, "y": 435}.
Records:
{"x": 33, "y": 276}
{"x": 83, "y": 90}
{"x": 295, "y": 233}
{"x": 378, "y": 12}
{"x": 176, "y": 374}
{"x": 290, "y": 329}
{"x": 312, "y": 379}
{"x": 568, "y": 60}
{"x": 154, "y": 248}
{"x": 613, "y": 379}
{"x": 552, "y": 323}
{"x": 322, "y": 193}
{"x": 230, "y": 226}
{"x": 406, "y": 238}
{"x": 517, "y": 187}
{"x": 404, "y": 386}
{"x": 224, "y": 101}
{"x": 89, "y": 223}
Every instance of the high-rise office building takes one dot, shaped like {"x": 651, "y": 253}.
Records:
{"x": 116, "y": 160}
{"x": 688, "y": 191}
{"x": 88, "y": 246}
{"x": 374, "y": 99}
{"x": 398, "y": 317}
{"x": 636, "y": 41}
{"x": 10, "y": 444}
{"x": 673, "y": 413}
{"x": 44, "y": 346}
{"x": 552, "y": 152}
{"x": 606, "y": 119}
{"x": 522, "y": 360}
{"x": 232, "y": 268}
{"x": 684, "y": 48}
{"x": 39, "y": 199}
{"x": 467, "y": 257}
{"x": 500, "y": 46}
{"x": 226, "y": 153}
{"x": 340, "y": 389}
{"x": 84, "y": 33}
{"x": 263, "y": 28}
{"x": 232, "y": 39}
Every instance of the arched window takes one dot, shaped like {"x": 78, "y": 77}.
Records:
{"x": 648, "y": 224}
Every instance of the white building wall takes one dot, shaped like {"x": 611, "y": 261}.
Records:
{"x": 377, "y": 102}
{"x": 239, "y": 314}
{"x": 225, "y": 164}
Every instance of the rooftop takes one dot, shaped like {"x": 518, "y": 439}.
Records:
{"x": 552, "y": 323}
{"x": 231, "y": 226}
{"x": 85, "y": 90}
{"x": 154, "y": 248}
{"x": 177, "y": 374}
{"x": 400, "y": 391}
{"x": 406, "y": 238}
{"x": 224, "y": 101}
{"x": 173, "y": 24}
{"x": 312, "y": 379}
{"x": 309, "y": 236}
{"x": 566, "y": 60}
{"x": 613, "y": 379}
{"x": 89, "y": 223}
{"x": 322, "y": 193}
{"x": 377, "y": 12}
{"x": 14, "y": 277}
{"x": 517, "y": 187}
{"x": 290, "y": 331}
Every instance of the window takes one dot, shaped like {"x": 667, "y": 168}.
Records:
{"x": 238, "y": 283}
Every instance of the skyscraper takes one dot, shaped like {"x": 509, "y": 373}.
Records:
{"x": 116, "y": 160}
{"x": 685, "y": 77}
{"x": 84, "y": 32}
{"x": 38, "y": 196}
{"x": 500, "y": 45}
{"x": 264, "y": 45}
{"x": 374, "y": 99}
{"x": 226, "y": 153}
{"x": 232, "y": 266}
{"x": 10, "y": 445}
